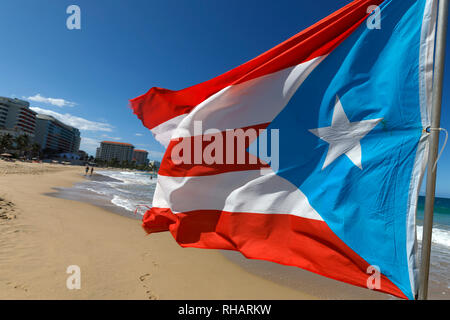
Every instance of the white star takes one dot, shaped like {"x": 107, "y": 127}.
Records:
{"x": 344, "y": 136}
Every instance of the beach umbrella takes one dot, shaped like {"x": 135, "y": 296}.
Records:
{"x": 6, "y": 155}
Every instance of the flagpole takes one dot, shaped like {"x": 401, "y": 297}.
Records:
{"x": 433, "y": 147}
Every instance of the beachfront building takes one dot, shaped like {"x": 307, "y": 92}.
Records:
{"x": 16, "y": 117}
{"x": 82, "y": 155}
{"x": 140, "y": 156}
{"x": 110, "y": 150}
{"x": 54, "y": 135}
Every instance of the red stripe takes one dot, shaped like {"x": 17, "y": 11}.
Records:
{"x": 171, "y": 166}
{"x": 281, "y": 238}
{"x": 160, "y": 105}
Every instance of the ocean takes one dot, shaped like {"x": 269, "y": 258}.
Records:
{"x": 440, "y": 251}
{"x": 124, "y": 191}
{"x": 121, "y": 192}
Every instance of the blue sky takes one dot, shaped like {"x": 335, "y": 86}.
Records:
{"x": 124, "y": 47}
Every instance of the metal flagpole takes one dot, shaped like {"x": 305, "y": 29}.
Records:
{"x": 433, "y": 146}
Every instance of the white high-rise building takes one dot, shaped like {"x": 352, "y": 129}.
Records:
{"x": 53, "y": 134}
{"x": 140, "y": 156}
{"x": 110, "y": 150}
{"x": 16, "y": 117}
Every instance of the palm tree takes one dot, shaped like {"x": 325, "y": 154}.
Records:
{"x": 125, "y": 164}
{"x": 114, "y": 163}
{"x": 22, "y": 143}
{"x": 36, "y": 150}
{"x": 6, "y": 142}
{"x": 152, "y": 167}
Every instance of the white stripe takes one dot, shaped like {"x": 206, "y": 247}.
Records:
{"x": 253, "y": 102}
{"x": 426, "y": 58}
{"x": 243, "y": 191}
{"x": 163, "y": 132}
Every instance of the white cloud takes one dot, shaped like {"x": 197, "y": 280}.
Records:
{"x": 89, "y": 145}
{"x": 77, "y": 122}
{"x": 155, "y": 155}
{"x": 53, "y": 101}
{"x": 139, "y": 134}
{"x": 109, "y": 137}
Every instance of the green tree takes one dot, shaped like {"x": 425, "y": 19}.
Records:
{"x": 114, "y": 163}
{"x": 22, "y": 143}
{"x": 152, "y": 167}
{"x": 125, "y": 164}
{"x": 36, "y": 150}
{"x": 6, "y": 142}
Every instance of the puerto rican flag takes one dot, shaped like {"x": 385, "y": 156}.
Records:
{"x": 329, "y": 182}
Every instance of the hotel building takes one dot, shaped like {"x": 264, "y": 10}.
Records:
{"x": 110, "y": 150}
{"x": 54, "y": 135}
{"x": 140, "y": 156}
{"x": 16, "y": 117}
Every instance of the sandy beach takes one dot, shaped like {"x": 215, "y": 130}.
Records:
{"x": 40, "y": 236}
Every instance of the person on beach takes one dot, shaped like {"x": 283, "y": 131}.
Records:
{"x": 87, "y": 170}
{"x": 92, "y": 170}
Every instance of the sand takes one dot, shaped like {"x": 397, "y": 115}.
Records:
{"x": 40, "y": 236}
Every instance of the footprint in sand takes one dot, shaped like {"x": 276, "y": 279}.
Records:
{"x": 17, "y": 286}
{"x": 7, "y": 210}
{"x": 145, "y": 281}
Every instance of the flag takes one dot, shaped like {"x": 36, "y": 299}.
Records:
{"x": 309, "y": 155}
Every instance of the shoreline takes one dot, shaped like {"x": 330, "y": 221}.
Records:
{"x": 86, "y": 196}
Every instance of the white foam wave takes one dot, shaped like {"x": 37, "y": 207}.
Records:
{"x": 130, "y": 190}
{"x": 129, "y": 177}
{"x": 440, "y": 236}
{"x": 124, "y": 203}
{"x": 130, "y": 205}
{"x": 98, "y": 191}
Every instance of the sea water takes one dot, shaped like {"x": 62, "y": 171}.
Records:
{"x": 126, "y": 189}
{"x": 440, "y": 251}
